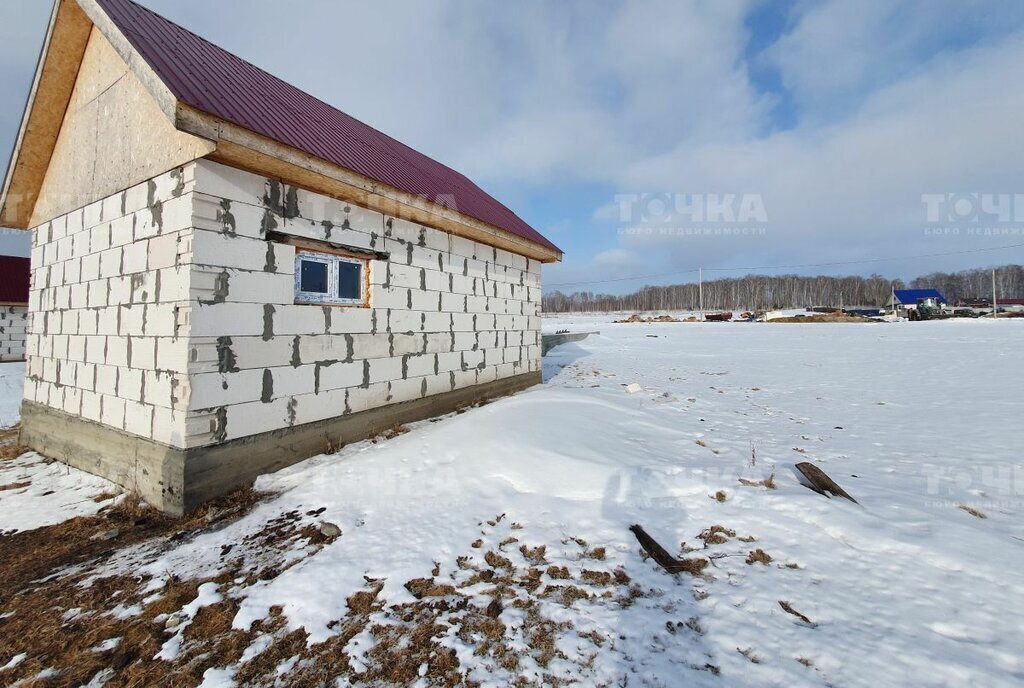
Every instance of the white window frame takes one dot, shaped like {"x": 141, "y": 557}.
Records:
{"x": 331, "y": 261}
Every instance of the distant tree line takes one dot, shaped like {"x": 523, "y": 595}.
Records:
{"x": 766, "y": 292}
{"x": 970, "y": 284}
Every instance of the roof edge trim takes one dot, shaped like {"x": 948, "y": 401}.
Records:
{"x": 59, "y": 60}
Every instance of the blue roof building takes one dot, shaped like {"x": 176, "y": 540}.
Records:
{"x": 910, "y": 297}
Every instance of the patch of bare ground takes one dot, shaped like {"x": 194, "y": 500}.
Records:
{"x": 637, "y": 318}
{"x": 67, "y": 621}
{"x": 513, "y": 609}
{"x": 824, "y": 318}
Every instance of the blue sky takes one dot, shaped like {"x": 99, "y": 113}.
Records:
{"x": 834, "y": 117}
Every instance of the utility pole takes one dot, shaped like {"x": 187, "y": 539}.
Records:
{"x": 995, "y": 304}
{"x": 700, "y": 290}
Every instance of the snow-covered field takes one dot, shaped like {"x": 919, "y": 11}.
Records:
{"x": 919, "y": 422}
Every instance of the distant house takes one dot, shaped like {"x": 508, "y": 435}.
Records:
{"x": 14, "y": 281}
{"x": 910, "y": 298}
{"x": 230, "y": 275}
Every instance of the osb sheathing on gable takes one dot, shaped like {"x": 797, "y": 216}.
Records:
{"x": 114, "y": 135}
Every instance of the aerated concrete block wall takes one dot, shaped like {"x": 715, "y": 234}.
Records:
{"x": 105, "y": 338}
{"x": 164, "y": 312}
{"x": 13, "y": 326}
{"x": 445, "y": 313}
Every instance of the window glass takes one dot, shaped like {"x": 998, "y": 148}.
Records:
{"x": 349, "y": 280}
{"x": 314, "y": 277}
{"x": 329, "y": 279}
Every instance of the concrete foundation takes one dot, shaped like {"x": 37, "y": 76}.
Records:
{"x": 177, "y": 480}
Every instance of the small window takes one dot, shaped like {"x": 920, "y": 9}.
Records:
{"x": 327, "y": 278}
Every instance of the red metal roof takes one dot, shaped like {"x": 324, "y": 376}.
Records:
{"x": 14, "y": 279}
{"x": 213, "y": 80}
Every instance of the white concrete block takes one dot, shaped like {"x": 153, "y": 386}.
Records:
{"x": 395, "y": 297}
{"x": 340, "y": 375}
{"x": 322, "y": 348}
{"x": 138, "y": 419}
{"x": 438, "y": 384}
{"x": 209, "y": 390}
{"x": 435, "y": 342}
{"x": 209, "y": 248}
{"x": 448, "y": 361}
{"x": 163, "y": 250}
{"x": 385, "y": 369}
{"x": 169, "y": 427}
{"x": 405, "y": 321}
{"x": 360, "y": 399}
{"x": 345, "y": 320}
{"x": 300, "y": 319}
{"x": 309, "y": 408}
{"x": 110, "y": 262}
{"x": 129, "y": 384}
{"x": 421, "y": 364}
{"x": 91, "y": 409}
{"x": 113, "y": 412}
{"x": 231, "y": 319}
{"x": 405, "y": 390}
{"x": 228, "y": 182}
{"x": 426, "y": 300}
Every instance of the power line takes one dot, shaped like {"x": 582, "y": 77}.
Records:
{"x": 786, "y": 267}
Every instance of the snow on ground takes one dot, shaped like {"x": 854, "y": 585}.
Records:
{"x": 12, "y": 376}
{"x": 915, "y": 420}
{"x": 36, "y": 492}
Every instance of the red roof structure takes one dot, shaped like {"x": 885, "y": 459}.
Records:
{"x": 14, "y": 279}
{"x": 214, "y": 81}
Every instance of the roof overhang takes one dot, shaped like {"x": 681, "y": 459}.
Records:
{"x": 61, "y": 56}
{"x": 66, "y": 39}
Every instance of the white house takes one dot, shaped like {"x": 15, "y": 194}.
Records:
{"x": 229, "y": 275}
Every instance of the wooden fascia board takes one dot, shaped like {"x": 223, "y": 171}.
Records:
{"x": 239, "y": 147}
{"x": 66, "y": 38}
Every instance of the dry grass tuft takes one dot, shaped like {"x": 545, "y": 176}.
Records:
{"x": 558, "y": 572}
{"x": 390, "y": 434}
{"x": 788, "y": 608}
{"x": 716, "y": 535}
{"x": 12, "y": 451}
{"x": 759, "y": 556}
{"x": 596, "y": 577}
{"x": 971, "y": 510}
{"x": 534, "y": 555}
{"x": 495, "y": 560}
{"x": 428, "y": 587}
{"x": 768, "y": 483}
{"x": 749, "y": 654}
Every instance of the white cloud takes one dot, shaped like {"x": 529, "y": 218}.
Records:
{"x": 532, "y": 96}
